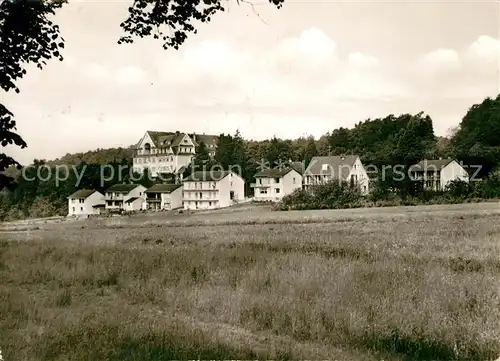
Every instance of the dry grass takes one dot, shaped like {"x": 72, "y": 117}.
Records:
{"x": 420, "y": 286}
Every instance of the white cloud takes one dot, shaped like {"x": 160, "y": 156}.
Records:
{"x": 96, "y": 71}
{"x": 360, "y": 60}
{"x": 128, "y": 75}
{"x": 312, "y": 49}
{"x": 485, "y": 48}
{"x": 355, "y": 85}
{"x": 441, "y": 60}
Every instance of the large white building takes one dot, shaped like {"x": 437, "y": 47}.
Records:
{"x": 436, "y": 174}
{"x": 212, "y": 190}
{"x": 347, "y": 168}
{"x": 274, "y": 184}
{"x": 125, "y": 197}
{"x": 169, "y": 152}
{"x": 85, "y": 202}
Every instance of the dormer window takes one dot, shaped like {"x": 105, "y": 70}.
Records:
{"x": 324, "y": 167}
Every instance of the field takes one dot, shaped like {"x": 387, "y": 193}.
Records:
{"x": 416, "y": 283}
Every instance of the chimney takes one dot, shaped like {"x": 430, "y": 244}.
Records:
{"x": 177, "y": 132}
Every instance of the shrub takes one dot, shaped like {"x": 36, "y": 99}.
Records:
{"x": 332, "y": 195}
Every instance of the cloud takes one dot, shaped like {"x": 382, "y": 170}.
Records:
{"x": 485, "y": 48}
{"x": 96, "y": 71}
{"x": 362, "y": 61}
{"x": 312, "y": 49}
{"x": 129, "y": 75}
{"x": 441, "y": 60}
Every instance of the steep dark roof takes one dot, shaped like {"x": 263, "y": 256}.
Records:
{"x": 338, "y": 166}
{"x": 206, "y": 138}
{"x": 274, "y": 173}
{"x": 82, "y": 193}
{"x": 174, "y": 139}
{"x": 298, "y": 166}
{"x": 207, "y": 176}
{"x": 122, "y": 187}
{"x": 431, "y": 164}
{"x": 163, "y": 188}
{"x": 130, "y": 200}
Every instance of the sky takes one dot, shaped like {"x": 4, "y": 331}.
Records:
{"x": 305, "y": 69}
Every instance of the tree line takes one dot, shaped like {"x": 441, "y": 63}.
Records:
{"x": 403, "y": 140}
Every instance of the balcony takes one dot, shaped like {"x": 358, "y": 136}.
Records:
{"x": 260, "y": 185}
{"x": 114, "y": 197}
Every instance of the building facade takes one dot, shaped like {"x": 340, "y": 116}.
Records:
{"x": 169, "y": 152}
{"x": 212, "y": 190}
{"x": 347, "y": 168}
{"x": 436, "y": 174}
{"x": 85, "y": 202}
{"x": 164, "y": 197}
{"x": 125, "y": 197}
{"x": 274, "y": 184}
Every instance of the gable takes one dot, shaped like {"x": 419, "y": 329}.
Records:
{"x": 186, "y": 141}
{"x": 335, "y": 166}
{"x": 146, "y": 138}
{"x": 292, "y": 173}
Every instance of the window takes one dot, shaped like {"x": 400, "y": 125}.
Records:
{"x": 324, "y": 167}
{"x": 259, "y": 181}
{"x": 276, "y": 180}
{"x": 81, "y": 208}
{"x": 276, "y": 190}
{"x": 201, "y": 195}
{"x": 210, "y": 204}
{"x": 73, "y": 209}
{"x": 263, "y": 191}
{"x": 293, "y": 180}
{"x": 81, "y": 200}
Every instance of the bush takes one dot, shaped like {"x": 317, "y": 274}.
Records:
{"x": 332, "y": 195}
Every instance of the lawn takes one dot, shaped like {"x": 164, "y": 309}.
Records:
{"x": 393, "y": 284}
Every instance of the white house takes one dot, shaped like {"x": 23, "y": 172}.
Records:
{"x": 437, "y": 173}
{"x": 85, "y": 202}
{"x": 168, "y": 152}
{"x": 126, "y": 197}
{"x": 274, "y": 184}
{"x": 348, "y": 168}
{"x": 212, "y": 190}
{"x": 164, "y": 197}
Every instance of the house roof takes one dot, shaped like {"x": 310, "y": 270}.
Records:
{"x": 207, "y": 176}
{"x": 297, "y": 166}
{"x": 274, "y": 173}
{"x": 163, "y": 188}
{"x": 82, "y": 193}
{"x": 130, "y": 200}
{"x": 339, "y": 167}
{"x": 125, "y": 187}
{"x": 431, "y": 164}
{"x": 174, "y": 139}
{"x": 206, "y": 138}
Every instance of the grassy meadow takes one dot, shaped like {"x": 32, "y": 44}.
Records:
{"x": 346, "y": 285}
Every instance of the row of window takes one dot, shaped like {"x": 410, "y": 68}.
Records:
{"x": 276, "y": 180}
{"x": 264, "y": 191}
{"x": 154, "y": 160}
